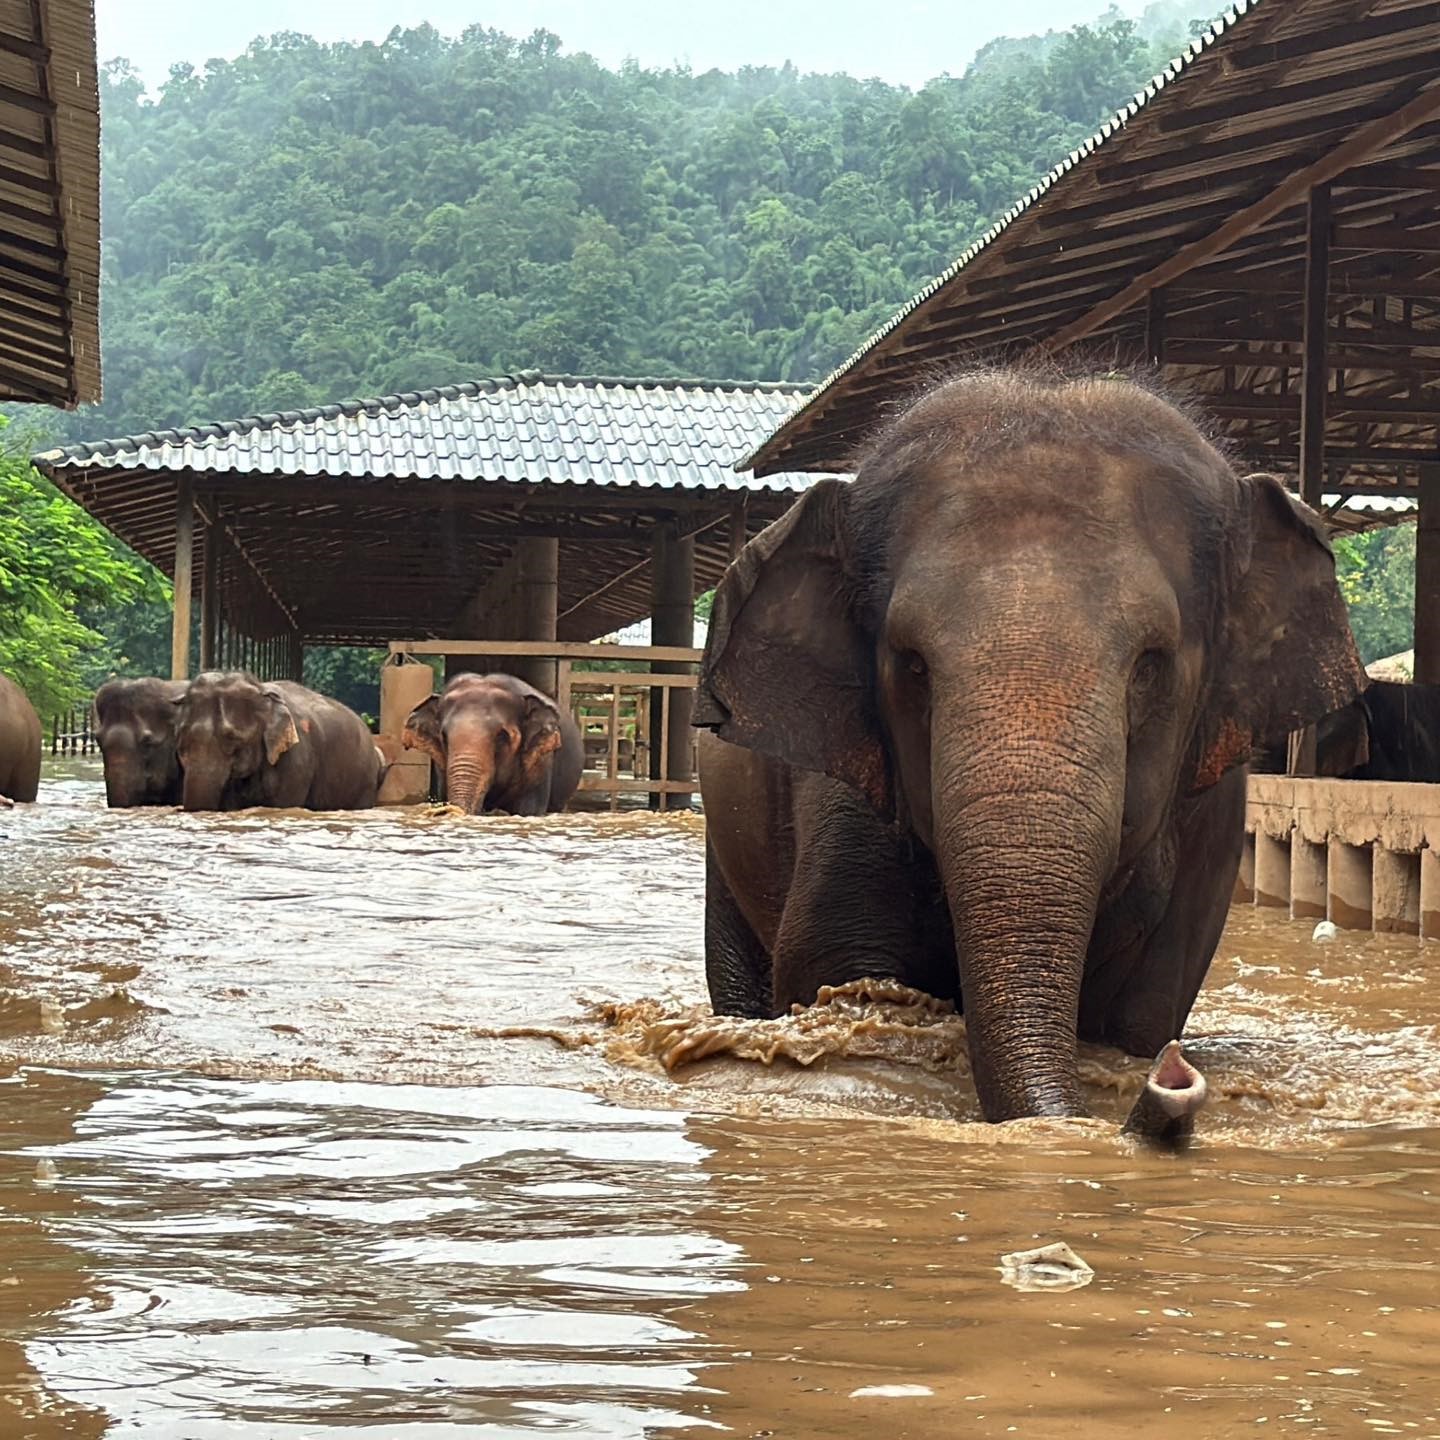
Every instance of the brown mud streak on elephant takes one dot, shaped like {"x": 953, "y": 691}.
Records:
{"x": 20, "y": 744}
{"x": 246, "y": 742}
{"x": 135, "y": 723}
{"x": 987, "y": 709}
{"x": 501, "y": 744}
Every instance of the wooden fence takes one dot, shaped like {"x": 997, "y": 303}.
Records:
{"x": 70, "y": 733}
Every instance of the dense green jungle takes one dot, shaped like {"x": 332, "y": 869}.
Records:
{"x": 309, "y": 222}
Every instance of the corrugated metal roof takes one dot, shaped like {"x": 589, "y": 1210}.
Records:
{"x": 50, "y": 196}
{"x": 526, "y": 428}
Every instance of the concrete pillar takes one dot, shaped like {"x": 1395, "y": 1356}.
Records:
{"x": 1349, "y": 885}
{"x": 1427, "y": 579}
{"x": 1395, "y": 892}
{"x": 1307, "y": 878}
{"x": 184, "y": 579}
{"x": 672, "y": 622}
{"x": 404, "y": 684}
{"x": 1429, "y": 894}
{"x": 1272, "y": 871}
{"x": 1245, "y": 880}
{"x": 536, "y": 605}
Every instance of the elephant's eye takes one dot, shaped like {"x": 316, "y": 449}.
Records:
{"x": 914, "y": 663}
{"x": 1149, "y": 669}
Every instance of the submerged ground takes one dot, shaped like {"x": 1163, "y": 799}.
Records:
{"x": 328, "y": 1127}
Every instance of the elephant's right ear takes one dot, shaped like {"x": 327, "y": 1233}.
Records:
{"x": 788, "y": 671}
{"x": 422, "y": 730}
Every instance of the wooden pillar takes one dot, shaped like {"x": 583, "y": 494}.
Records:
{"x": 1314, "y": 384}
{"x": 184, "y": 579}
{"x": 537, "y": 595}
{"x": 210, "y": 590}
{"x": 672, "y": 622}
{"x": 1155, "y": 328}
{"x": 738, "y": 522}
{"x": 1314, "y": 379}
{"x": 1427, "y": 578}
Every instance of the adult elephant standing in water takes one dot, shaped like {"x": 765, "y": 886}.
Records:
{"x": 20, "y": 744}
{"x": 988, "y": 709}
{"x": 502, "y": 744}
{"x": 245, "y": 742}
{"x": 135, "y": 724}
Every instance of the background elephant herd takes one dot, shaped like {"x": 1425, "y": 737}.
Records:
{"x": 981, "y": 721}
{"x": 228, "y": 741}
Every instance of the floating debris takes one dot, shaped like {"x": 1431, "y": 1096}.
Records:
{"x": 1050, "y": 1267}
{"x": 46, "y": 1173}
{"x": 891, "y": 1392}
{"x": 1325, "y": 932}
{"x": 52, "y": 1018}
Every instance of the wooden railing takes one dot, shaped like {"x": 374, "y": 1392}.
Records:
{"x": 70, "y": 734}
{"x": 624, "y": 715}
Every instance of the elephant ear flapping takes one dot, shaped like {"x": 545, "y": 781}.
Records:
{"x": 422, "y": 730}
{"x": 280, "y": 732}
{"x": 1286, "y": 656}
{"x": 787, "y": 670}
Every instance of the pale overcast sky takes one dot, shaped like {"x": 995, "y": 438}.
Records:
{"x": 903, "y": 41}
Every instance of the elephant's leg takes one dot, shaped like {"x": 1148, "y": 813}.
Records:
{"x": 859, "y": 905}
{"x": 536, "y": 800}
{"x": 737, "y": 967}
{"x": 1151, "y": 951}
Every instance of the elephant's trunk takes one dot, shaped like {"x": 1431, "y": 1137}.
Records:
{"x": 204, "y": 786}
{"x": 469, "y": 774}
{"x": 1027, "y": 813}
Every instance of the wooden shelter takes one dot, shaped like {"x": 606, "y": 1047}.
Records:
{"x": 524, "y": 508}
{"x": 1263, "y": 224}
{"x": 49, "y": 203}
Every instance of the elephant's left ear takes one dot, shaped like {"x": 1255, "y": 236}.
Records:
{"x": 422, "y": 730}
{"x": 280, "y": 732}
{"x": 1286, "y": 655}
{"x": 540, "y": 726}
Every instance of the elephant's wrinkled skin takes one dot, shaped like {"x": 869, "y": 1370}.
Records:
{"x": 502, "y": 745}
{"x": 135, "y": 724}
{"x": 20, "y": 744}
{"x": 988, "y": 708}
{"x": 246, "y": 742}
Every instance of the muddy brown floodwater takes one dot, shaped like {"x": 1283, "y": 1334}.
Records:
{"x": 331, "y": 1127}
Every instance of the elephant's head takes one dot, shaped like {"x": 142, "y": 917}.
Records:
{"x": 1041, "y": 617}
{"x": 134, "y": 723}
{"x": 231, "y": 727}
{"x": 492, "y": 735}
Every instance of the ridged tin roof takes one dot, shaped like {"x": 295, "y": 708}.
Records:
{"x": 527, "y": 428}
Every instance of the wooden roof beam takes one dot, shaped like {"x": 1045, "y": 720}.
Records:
{"x": 1365, "y": 141}
{"x": 1357, "y": 32}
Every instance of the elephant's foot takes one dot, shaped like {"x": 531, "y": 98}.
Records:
{"x": 1174, "y": 1091}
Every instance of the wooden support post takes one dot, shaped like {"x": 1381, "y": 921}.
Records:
{"x": 1155, "y": 328}
{"x": 184, "y": 582}
{"x": 672, "y": 622}
{"x": 1315, "y": 377}
{"x": 210, "y": 591}
{"x": 1427, "y": 578}
{"x": 739, "y": 520}
{"x": 1314, "y": 388}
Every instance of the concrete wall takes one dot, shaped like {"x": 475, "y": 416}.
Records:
{"x": 1362, "y": 853}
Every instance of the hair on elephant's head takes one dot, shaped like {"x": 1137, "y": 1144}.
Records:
{"x": 491, "y": 735}
{"x": 230, "y": 727}
{"x": 1043, "y": 615}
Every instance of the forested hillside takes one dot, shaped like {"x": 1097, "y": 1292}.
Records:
{"x": 309, "y": 222}
{"x": 313, "y": 221}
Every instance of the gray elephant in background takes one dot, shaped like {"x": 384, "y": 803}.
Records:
{"x": 247, "y": 742}
{"x": 135, "y": 725}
